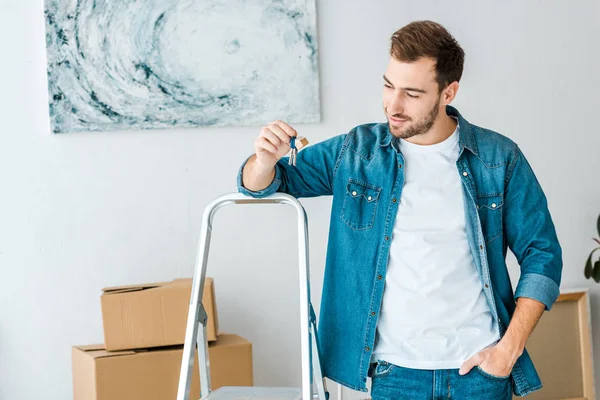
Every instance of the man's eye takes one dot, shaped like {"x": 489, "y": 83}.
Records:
{"x": 387, "y": 86}
{"x": 411, "y": 96}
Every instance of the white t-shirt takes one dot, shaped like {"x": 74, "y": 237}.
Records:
{"x": 434, "y": 313}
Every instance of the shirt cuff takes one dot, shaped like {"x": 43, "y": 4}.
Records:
{"x": 538, "y": 287}
{"x": 269, "y": 190}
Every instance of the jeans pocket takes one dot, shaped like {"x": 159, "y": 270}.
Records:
{"x": 382, "y": 368}
{"x": 490, "y": 376}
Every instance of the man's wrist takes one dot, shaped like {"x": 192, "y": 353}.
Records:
{"x": 512, "y": 347}
{"x": 262, "y": 168}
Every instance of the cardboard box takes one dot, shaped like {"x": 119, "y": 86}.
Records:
{"x": 561, "y": 349}
{"x": 153, "y": 374}
{"x": 152, "y": 315}
{"x": 230, "y": 361}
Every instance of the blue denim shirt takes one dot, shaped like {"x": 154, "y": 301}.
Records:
{"x": 505, "y": 207}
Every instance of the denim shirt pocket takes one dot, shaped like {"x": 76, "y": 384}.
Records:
{"x": 489, "y": 207}
{"x": 360, "y": 204}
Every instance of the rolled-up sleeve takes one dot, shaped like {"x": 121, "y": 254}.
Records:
{"x": 538, "y": 287}
{"x": 269, "y": 190}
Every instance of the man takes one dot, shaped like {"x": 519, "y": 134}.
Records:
{"x": 426, "y": 204}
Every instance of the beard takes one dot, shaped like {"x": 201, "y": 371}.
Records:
{"x": 418, "y": 127}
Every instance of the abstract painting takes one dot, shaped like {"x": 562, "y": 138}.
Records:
{"x": 149, "y": 64}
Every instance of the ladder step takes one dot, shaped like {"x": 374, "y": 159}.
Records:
{"x": 255, "y": 393}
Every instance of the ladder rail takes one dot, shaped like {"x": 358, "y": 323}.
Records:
{"x": 197, "y": 314}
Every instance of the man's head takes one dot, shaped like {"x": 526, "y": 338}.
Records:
{"x": 422, "y": 77}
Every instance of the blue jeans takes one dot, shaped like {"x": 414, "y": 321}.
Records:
{"x": 391, "y": 382}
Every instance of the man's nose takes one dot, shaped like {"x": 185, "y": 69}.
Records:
{"x": 396, "y": 105}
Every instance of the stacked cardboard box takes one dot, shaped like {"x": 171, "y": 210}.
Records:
{"x": 144, "y": 331}
{"x": 153, "y": 315}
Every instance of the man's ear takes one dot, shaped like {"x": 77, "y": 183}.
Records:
{"x": 449, "y": 93}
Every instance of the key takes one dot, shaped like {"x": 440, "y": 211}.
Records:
{"x": 294, "y": 149}
{"x": 292, "y": 160}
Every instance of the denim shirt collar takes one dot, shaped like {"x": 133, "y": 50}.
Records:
{"x": 466, "y": 137}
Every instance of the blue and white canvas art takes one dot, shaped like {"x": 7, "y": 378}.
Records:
{"x": 147, "y": 64}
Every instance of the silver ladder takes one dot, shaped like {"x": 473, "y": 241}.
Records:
{"x": 197, "y": 315}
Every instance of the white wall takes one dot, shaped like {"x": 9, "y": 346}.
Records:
{"x": 82, "y": 211}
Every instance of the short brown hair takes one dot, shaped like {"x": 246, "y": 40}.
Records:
{"x": 430, "y": 39}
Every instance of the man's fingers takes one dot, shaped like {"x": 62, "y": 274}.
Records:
{"x": 281, "y": 134}
{"x": 286, "y": 128}
{"x": 466, "y": 367}
{"x": 469, "y": 364}
{"x": 271, "y": 137}
{"x": 263, "y": 143}
{"x": 277, "y": 135}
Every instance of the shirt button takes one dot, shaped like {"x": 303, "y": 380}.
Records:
{"x": 379, "y": 277}
{"x": 367, "y": 348}
{"x": 394, "y": 200}
{"x": 354, "y": 193}
{"x": 399, "y": 165}
{"x": 387, "y": 238}
{"x": 465, "y": 173}
{"x": 481, "y": 246}
{"x": 369, "y": 198}
{"x": 372, "y": 313}
{"x": 493, "y": 205}
{"x": 486, "y": 286}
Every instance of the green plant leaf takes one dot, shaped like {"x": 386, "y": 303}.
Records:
{"x": 596, "y": 273}
{"x": 588, "y": 267}
{"x": 589, "y": 270}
